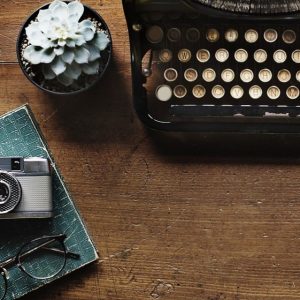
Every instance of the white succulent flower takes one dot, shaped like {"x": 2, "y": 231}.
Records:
{"x": 65, "y": 46}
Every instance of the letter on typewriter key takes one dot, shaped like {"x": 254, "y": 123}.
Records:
{"x": 255, "y": 92}
{"x": 154, "y": 34}
{"x": 180, "y": 91}
{"x": 270, "y": 35}
{"x": 284, "y": 75}
{"x": 246, "y": 75}
{"x": 231, "y": 35}
{"x": 203, "y": 55}
{"x": 289, "y": 36}
{"x": 193, "y": 35}
{"x": 273, "y": 92}
{"x": 236, "y": 92}
{"x": 227, "y": 75}
{"x": 165, "y": 55}
{"x": 212, "y": 35}
{"x": 296, "y": 56}
{"x": 260, "y": 56}
{"x": 280, "y": 56}
{"x": 241, "y": 55}
{"x": 190, "y": 75}
{"x": 184, "y": 55}
{"x": 222, "y": 55}
{"x": 209, "y": 75}
{"x": 163, "y": 93}
{"x": 292, "y": 92}
{"x": 199, "y": 91}
{"x": 265, "y": 75}
{"x": 218, "y": 92}
{"x": 170, "y": 74}
{"x": 251, "y": 36}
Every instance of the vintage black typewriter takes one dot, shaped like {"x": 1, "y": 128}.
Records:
{"x": 216, "y": 66}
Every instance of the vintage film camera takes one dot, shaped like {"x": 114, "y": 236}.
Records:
{"x": 25, "y": 188}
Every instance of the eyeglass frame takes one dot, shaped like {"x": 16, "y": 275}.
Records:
{"x": 16, "y": 260}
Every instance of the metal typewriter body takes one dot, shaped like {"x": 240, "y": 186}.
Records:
{"x": 197, "y": 68}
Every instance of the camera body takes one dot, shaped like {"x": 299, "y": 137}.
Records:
{"x": 25, "y": 188}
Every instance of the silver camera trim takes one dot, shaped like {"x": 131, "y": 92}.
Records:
{"x": 9, "y": 192}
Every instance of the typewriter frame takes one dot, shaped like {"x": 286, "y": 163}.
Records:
{"x": 210, "y": 122}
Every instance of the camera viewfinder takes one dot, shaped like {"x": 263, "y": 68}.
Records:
{"x": 16, "y": 164}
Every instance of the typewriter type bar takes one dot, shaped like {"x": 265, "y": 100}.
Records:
{"x": 194, "y": 65}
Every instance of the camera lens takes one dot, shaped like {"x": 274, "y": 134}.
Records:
{"x": 4, "y": 192}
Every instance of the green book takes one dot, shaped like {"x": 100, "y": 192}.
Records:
{"x": 20, "y": 136}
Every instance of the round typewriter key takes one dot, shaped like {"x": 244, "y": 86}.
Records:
{"x": 154, "y": 34}
{"x": 180, "y": 91}
{"x": 231, "y": 35}
{"x": 190, "y": 75}
{"x": 251, "y": 36}
{"x": 203, "y": 55}
{"x": 236, "y": 92}
{"x": 280, "y": 56}
{"x": 209, "y": 75}
{"x": 265, "y": 75}
{"x": 292, "y": 92}
{"x": 227, "y": 75}
{"x": 273, "y": 92}
{"x": 212, "y": 35}
{"x": 222, "y": 55}
{"x": 193, "y": 35}
{"x": 260, "y": 56}
{"x": 218, "y": 91}
{"x": 184, "y": 55}
{"x": 255, "y": 92}
{"x": 165, "y": 55}
{"x": 241, "y": 55}
{"x": 270, "y": 35}
{"x": 284, "y": 75}
{"x": 174, "y": 35}
{"x": 246, "y": 75}
{"x": 289, "y": 36}
{"x": 163, "y": 93}
{"x": 296, "y": 56}
{"x": 170, "y": 74}
{"x": 298, "y": 76}
{"x": 199, "y": 91}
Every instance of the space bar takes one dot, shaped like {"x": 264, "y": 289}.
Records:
{"x": 234, "y": 110}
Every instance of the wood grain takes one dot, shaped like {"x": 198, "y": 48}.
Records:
{"x": 168, "y": 224}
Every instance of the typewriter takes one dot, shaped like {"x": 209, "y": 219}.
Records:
{"x": 216, "y": 66}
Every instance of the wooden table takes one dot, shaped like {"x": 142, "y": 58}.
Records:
{"x": 168, "y": 224}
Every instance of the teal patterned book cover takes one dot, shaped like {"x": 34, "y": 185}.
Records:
{"x": 20, "y": 137}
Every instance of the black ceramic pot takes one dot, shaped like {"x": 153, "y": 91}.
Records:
{"x": 105, "y": 54}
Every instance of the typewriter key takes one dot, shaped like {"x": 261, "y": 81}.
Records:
{"x": 209, "y": 75}
{"x": 184, "y": 55}
{"x": 273, "y": 92}
{"x": 222, "y": 55}
{"x": 241, "y": 55}
{"x": 154, "y": 34}
{"x": 246, "y": 75}
{"x": 296, "y": 56}
{"x": 255, "y": 92}
{"x": 289, "y": 36}
{"x": 292, "y": 92}
{"x": 199, "y": 91}
{"x": 227, "y": 75}
{"x": 218, "y": 91}
{"x": 236, "y": 92}
{"x": 170, "y": 74}
{"x": 212, "y": 35}
{"x": 180, "y": 91}
{"x": 174, "y": 35}
{"x": 251, "y": 36}
{"x": 260, "y": 56}
{"x": 163, "y": 93}
{"x": 270, "y": 35}
{"x": 165, "y": 55}
{"x": 203, "y": 55}
{"x": 231, "y": 35}
{"x": 192, "y": 35}
{"x": 190, "y": 75}
{"x": 280, "y": 56}
{"x": 284, "y": 75}
{"x": 298, "y": 76}
{"x": 265, "y": 75}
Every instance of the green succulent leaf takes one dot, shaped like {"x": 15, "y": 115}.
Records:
{"x": 81, "y": 55}
{"x": 76, "y": 10}
{"x": 59, "y": 51}
{"x": 101, "y": 40}
{"x": 73, "y": 71}
{"x": 47, "y": 71}
{"x": 58, "y": 66}
{"x": 94, "y": 52}
{"x": 68, "y": 56}
{"x": 37, "y": 55}
{"x": 65, "y": 80}
{"x": 91, "y": 68}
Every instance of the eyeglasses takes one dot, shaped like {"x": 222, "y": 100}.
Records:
{"x": 42, "y": 258}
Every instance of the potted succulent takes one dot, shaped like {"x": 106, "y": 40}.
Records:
{"x": 64, "y": 47}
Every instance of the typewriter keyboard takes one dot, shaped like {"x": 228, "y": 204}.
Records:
{"x": 227, "y": 65}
